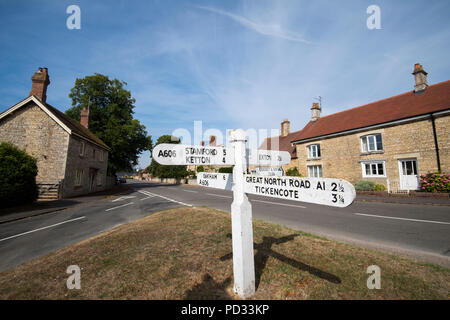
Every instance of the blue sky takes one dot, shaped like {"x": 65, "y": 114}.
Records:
{"x": 231, "y": 64}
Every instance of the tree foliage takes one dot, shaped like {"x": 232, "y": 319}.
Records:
{"x": 18, "y": 172}
{"x": 293, "y": 172}
{"x": 111, "y": 119}
{"x": 157, "y": 170}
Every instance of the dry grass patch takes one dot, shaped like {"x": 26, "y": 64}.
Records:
{"x": 186, "y": 254}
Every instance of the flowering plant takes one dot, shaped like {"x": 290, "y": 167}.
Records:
{"x": 435, "y": 182}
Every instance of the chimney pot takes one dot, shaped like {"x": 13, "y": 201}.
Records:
{"x": 420, "y": 78}
{"x": 285, "y": 127}
{"x": 315, "y": 111}
{"x": 84, "y": 118}
{"x": 39, "y": 83}
{"x": 212, "y": 141}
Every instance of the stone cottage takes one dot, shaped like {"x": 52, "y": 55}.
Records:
{"x": 71, "y": 160}
{"x": 390, "y": 142}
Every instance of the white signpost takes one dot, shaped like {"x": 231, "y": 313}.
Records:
{"x": 268, "y": 157}
{"x": 326, "y": 191}
{"x": 215, "y": 180}
{"x": 178, "y": 154}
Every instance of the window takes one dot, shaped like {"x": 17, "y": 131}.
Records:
{"x": 315, "y": 171}
{"x": 314, "y": 151}
{"x": 78, "y": 177}
{"x": 371, "y": 143}
{"x": 82, "y": 147}
{"x": 101, "y": 155}
{"x": 373, "y": 169}
{"x": 93, "y": 153}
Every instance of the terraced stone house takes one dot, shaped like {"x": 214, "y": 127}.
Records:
{"x": 390, "y": 142}
{"x": 71, "y": 160}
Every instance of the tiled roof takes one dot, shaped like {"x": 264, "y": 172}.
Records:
{"x": 434, "y": 98}
{"x": 75, "y": 126}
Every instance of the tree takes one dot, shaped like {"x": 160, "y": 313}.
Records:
{"x": 18, "y": 172}
{"x": 111, "y": 119}
{"x": 161, "y": 171}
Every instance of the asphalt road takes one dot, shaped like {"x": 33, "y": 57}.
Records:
{"x": 419, "y": 231}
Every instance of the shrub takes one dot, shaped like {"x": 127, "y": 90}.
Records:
{"x": 379, "y": 187}
{"x": 200, "y": 169}
{"x": 226, "y": 170}
{"x": 18, "y": 172}
{"x": 293, "y": 172}
{"x": 435, "y": 182}
{"x": 365, "y": 185}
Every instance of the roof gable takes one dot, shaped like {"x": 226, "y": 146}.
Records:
{"x": 68, "y": 124}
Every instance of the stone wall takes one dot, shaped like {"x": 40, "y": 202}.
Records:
{"x": 443, "y": 137}
{"x": 89, "y": 166}
{"x": 341, "y": 156}
{"x": 33, "y": 131}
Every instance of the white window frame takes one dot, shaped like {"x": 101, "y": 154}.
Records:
{"x": 316, "y": 171}
{"x": 314, "y": 148}
{"x": 365, "y": 144}
{"x": 373, "y": 165}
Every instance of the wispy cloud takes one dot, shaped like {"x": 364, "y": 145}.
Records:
{"x": 272, "y": 30}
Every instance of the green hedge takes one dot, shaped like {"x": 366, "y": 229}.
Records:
{"x": 365, "y": 185}
{"x": 226, "y": 170}
{"x": 18, "y": 172}
{"x": 293, "y": 172}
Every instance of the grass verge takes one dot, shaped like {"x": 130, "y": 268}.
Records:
{"x": 186, "y": 254}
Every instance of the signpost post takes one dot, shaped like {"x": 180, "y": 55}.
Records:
{"x": 241, "y": 222}
{"x": 325, "y": 191}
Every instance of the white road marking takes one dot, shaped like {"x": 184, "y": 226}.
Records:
{"x": 218, "y": 195}
{"x": 53, "y": 225}
{"x": 190, "y": 191}
{"x": 397, "y": 218}
{"x": 123, "y": 205}
{"x": 157, "y": 195}
{"x": 280, "y": 204}
{"x": 123, "y": 198}
{"x": 147, "y": 198}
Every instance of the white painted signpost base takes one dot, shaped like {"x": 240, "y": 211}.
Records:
{"x": 326, "y": 191}
{"x": 241, "y": 223}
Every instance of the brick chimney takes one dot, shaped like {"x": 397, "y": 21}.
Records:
{"x": 315, "y": 111}
{"x": 285, "y": 128}
{"x": 84, "y": 118}
{"x": 212, "y": 141}
{"x": 420, "y": 77}
{"x": 39, "y": 82}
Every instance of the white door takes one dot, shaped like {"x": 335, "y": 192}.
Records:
{"x": 409, "y": 178}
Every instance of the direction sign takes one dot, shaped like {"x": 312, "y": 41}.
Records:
{"x": 269, "y": 171}
{"x": 178, "y": 154}
{"x": 215, "y": 180}
{"x": 326, "y": 191}
{"x": 268, "y": 157}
